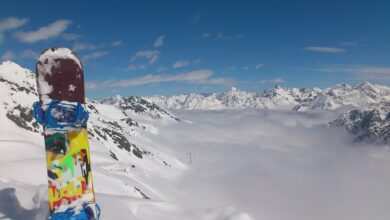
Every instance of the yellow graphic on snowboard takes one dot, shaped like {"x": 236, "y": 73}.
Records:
{"x": 69, "y": 169}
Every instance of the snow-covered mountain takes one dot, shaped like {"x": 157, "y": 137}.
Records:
{"x": 111, "y": 126}
{"x": 137, "y": 105}
{"x": 115, "y": 138}
{"x": 368, "y": 123}
{"x": 344, "y": 95}
{"x": 299, "y": 99}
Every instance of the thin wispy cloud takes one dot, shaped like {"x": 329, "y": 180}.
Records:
{"x": 94, "y": 55}
{"x": 52, "y": 30}
{"x": 259, "y": 65}
{"x": 150, "y": 55}
{"x": 30, "y": 54}
{"x": 12, "y": 23}
{"x": 91, "y": 85}
{"x": 133, "y": 67}
{"x": 159, "y": 42}
{"x": 326, "y": 49}
{"x": 79, "y": 46}
{"x": 197, "y": 16}
{"x": 180, "y": 63}
{"x": 70, "y": 36}
{"x": 349, "y": 43}
{"x": 196, "y": 61}
{"x": 221, "y": 36}
{"x": 161, "y": 69}
{"x": 12, "y": 55}
{"x": 8, "y": 55}
{"x": 229, "y": 69}
{"x": 203, "y": 76}
{"x": 361, "y": 72}
{"x": 206, "y": 35}
{"x": 277, "y": 80}
{"x": 1, "y": 38}
{"x": 117, "y": 43}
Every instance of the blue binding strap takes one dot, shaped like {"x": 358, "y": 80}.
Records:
{"x": 60, "y": 115}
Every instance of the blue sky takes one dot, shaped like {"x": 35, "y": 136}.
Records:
{"x": 172, "y": 47}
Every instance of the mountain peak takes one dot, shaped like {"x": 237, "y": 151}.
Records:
{"x": 10, "y": 64}
{"x": 13, "y": 72}
{"x": 365, "y": 85}
{"x": 277, "y": 86}
{"x": 233, "y": 89}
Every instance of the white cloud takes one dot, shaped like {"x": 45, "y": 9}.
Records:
{"x": 159, "y": 41}
{"x": 180, "y": 63}
{"x": 197, "y": 76}
{"x": 274, "y": 81}
{"x": 245, "y": 68}
{"x": 292, "y": 162}
{"x": 94, "y": 55}
{"x": 8, "y": 55}
{"x": 150, "y": 55}
{"x": 117, "y": 43}
{"x": 52, "y": 30}
{"x": 259, "y": 65}
{"x": 12, "y": 23}
{"x": 326, "y": 49}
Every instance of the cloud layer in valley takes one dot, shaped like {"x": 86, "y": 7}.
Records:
{"x": 278, "y": 165}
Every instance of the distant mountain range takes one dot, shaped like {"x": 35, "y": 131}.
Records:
{"x": 298, "y": 99}
{"x": 365, "y": 107}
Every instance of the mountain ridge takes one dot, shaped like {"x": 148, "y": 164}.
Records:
{"x": 298, "y": 99}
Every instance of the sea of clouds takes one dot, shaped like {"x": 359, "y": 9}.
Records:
{"x": 277, "y": 165}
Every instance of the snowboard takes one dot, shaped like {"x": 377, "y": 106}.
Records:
{"x": 60, "y": 83}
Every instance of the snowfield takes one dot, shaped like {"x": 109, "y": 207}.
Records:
{"x": 244, "y": 163}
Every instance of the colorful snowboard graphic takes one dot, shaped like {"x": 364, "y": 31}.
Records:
{"x": 60, "y": 82}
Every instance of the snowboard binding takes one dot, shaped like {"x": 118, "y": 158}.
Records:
{"x": 60, "y": 115}
{"x": 90, "y": 211}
